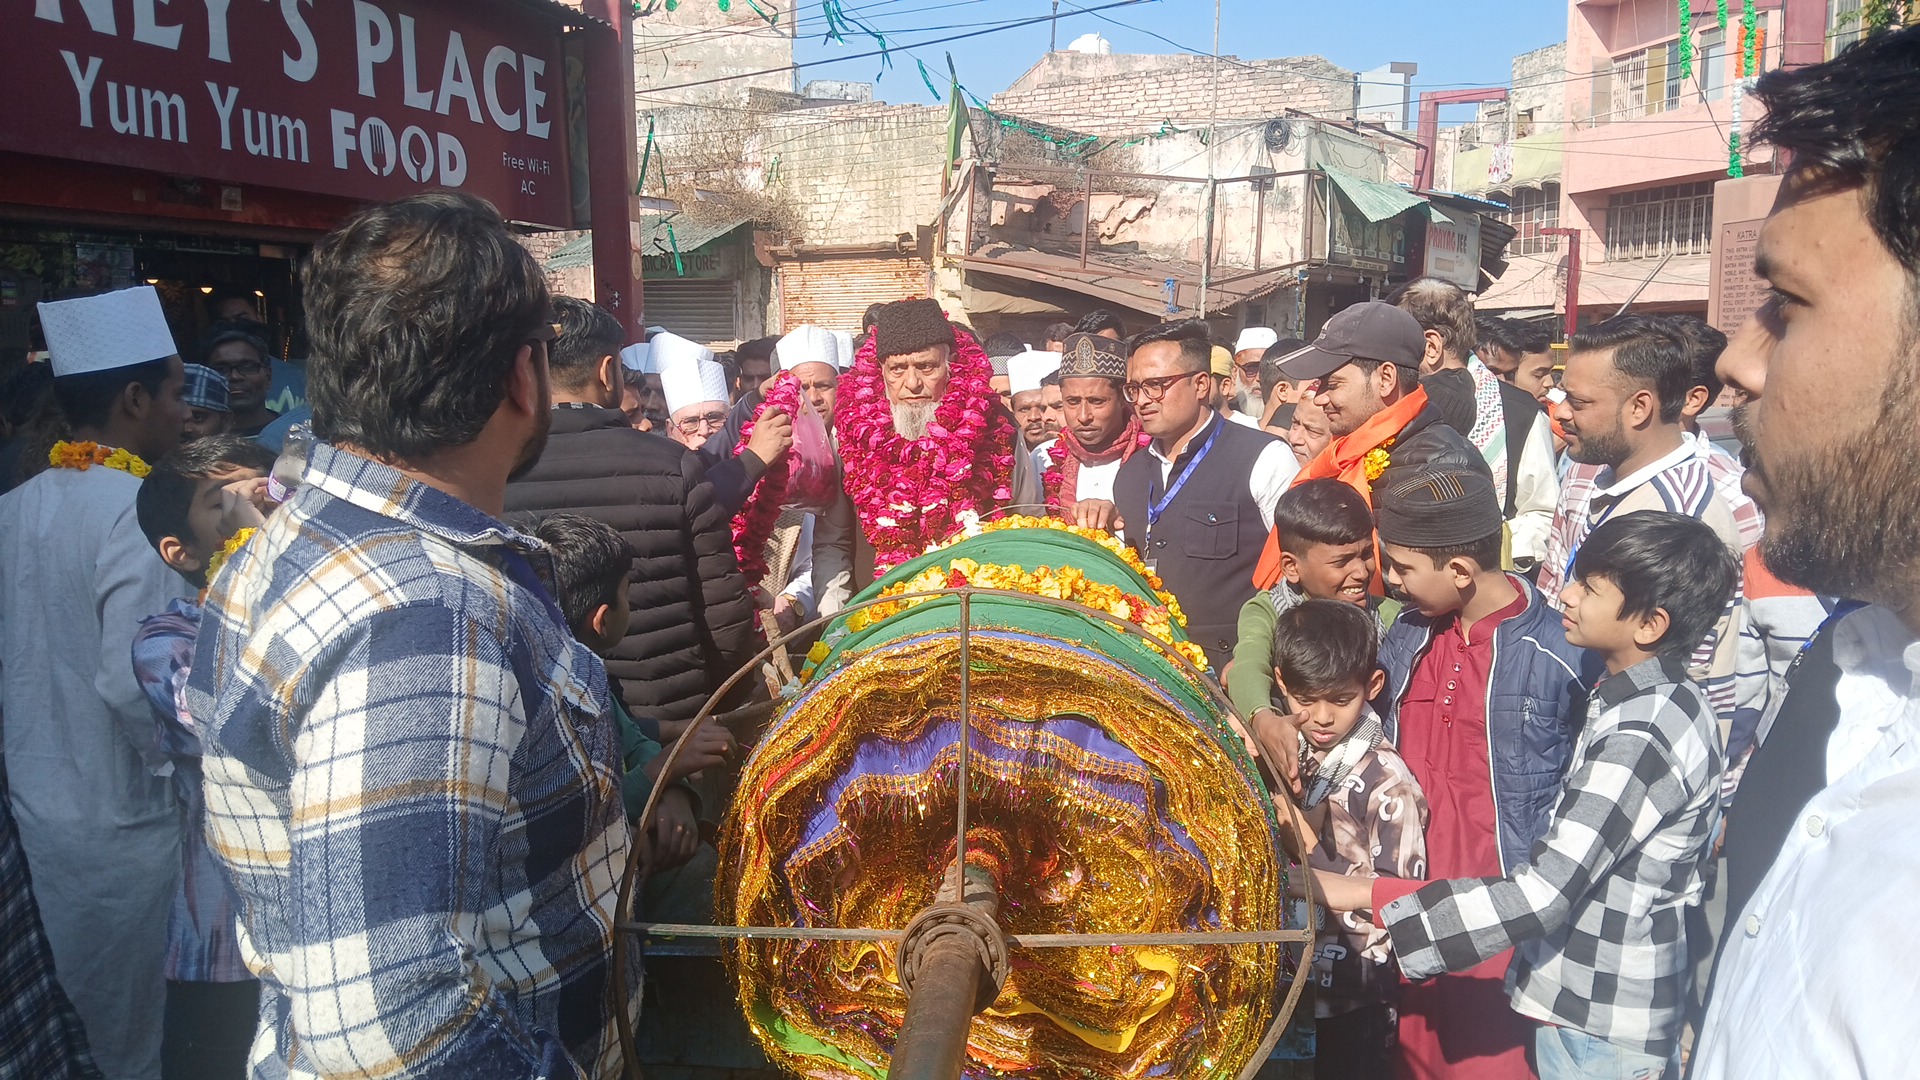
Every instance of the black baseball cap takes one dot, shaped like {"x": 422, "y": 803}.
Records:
{"x": 1375, "y": 330}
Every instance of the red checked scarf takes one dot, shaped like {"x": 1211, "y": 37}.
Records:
{"x": 1068, "y": 456}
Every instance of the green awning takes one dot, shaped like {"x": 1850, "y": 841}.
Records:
{"x": 1375, "y": 201}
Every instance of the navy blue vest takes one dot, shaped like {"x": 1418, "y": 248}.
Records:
{"x": 1206, "y": 543}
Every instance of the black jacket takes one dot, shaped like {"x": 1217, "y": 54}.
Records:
{"x": 693, "y": 623}
{"x": 1433, "y": 439}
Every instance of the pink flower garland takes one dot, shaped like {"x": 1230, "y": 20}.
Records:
{"x": 910, "y": 494}
{"x": 755, "y": 522}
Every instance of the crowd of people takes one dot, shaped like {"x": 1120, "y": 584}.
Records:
{"x": 329, "y": 724}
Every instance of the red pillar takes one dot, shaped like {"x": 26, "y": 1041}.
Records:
{"x": 612, "y": 163}
{"x": 1804, "y": 29}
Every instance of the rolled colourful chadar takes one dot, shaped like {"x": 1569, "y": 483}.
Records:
{"x": 1107, "y": 795}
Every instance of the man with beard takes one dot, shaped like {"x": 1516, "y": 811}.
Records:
{"x": 1197, "y": 504}
{"x": 1817, "y": 979}
{"x": 1102, "y": 432}
{"x": 1509, "y": 428}
{"x": 923, "y": 445}
{"x": 692, "y": 621}
{"x": 1366, "y": 363}
{"x": 412, "y": 769}
{"x": 1249, "y": 349}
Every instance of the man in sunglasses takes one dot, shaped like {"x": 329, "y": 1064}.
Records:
{"x": 1199, "y": 503}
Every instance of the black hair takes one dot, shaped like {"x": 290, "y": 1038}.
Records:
{"x": 1324, "y": 511}
{"x": 588, "y": 332}
{"x": 1649, "y": 351}
{"x": 1192, "y": 335}
{"x": 1485, "y": 552}
{"x": 417, "y": 310}
{"x": 224, "y": 333}
{"x": 1663, "y": 561}
{"x": 1321, "y": 647}
{"x": 1100, "y": 319}
{"x": 1849, "y": 122}
{"x": 1005, "y": 344}
{"x": 590, "y": 560}
{"x": 1515, "y": 336}
{"x": 869, "y": 317}
{"x": 1441, "y": 306}
{"x": 1270, "y": 374}
{"x": 1409, "y": 376}
{"x": 1704, "y": 346}
{"x": 758, "y": 349}
{"x": 1051, "y": 378}
{"x": 1059, "y": 331}
{"x": 166, "y": 495}
{"x": 87, "y": 399}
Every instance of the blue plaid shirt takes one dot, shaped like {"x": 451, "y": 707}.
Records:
{"x": 413, "y": 780}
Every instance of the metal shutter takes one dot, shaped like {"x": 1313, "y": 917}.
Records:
{"x": 702, "y": 311}
{"x": 835, "y": 292}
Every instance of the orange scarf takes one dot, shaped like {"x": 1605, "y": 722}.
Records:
{"x": 1345, "y": 459}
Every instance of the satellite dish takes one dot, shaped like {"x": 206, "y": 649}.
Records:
{"x": 1004, "y": 826}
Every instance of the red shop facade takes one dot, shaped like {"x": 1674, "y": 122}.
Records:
{"x": 202, "y": 146}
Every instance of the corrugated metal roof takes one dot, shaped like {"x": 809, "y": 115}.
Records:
{"x": 687, "y": 235}
{"x": 1375, "y": 201}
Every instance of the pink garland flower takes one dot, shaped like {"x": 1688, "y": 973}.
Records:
{"x": 754, "y": 524}
{"x": 912, "y": 493}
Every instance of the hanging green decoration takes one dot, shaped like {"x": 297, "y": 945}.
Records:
{"x": 839, "y": 24}
{"x": 726, "y": 6}
{"x": 1750, "y": 30}
{"x": 1721, "y": 7}
{"x": 646, "y": 159}
{"x": 928, "y": 79}
{"x": 1686, "y": 39}
{"x": 772, "y": 17}
{"x": 679, "y": 267}
{"x": 1734, "y": 166}
{"x": 673, "y": 5}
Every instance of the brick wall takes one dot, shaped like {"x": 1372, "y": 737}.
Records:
{"x": 1124, "y": 94}
{"x": 857, "y": 174}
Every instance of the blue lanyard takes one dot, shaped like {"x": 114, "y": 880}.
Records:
{"x": 1155, "y": 509}
{"x": 1566, "y": 575}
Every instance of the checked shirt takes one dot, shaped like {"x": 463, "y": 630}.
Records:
{"x": 413, "y": 781}
{"x": 1596, "y": 917}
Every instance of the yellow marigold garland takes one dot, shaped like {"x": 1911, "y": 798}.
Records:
{"x": 234, "y": 543}
{"x": 85, "y": 455}
{"x": 1377, "y": 460}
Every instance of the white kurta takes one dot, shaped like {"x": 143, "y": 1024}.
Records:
{"x": 101, "y": 831}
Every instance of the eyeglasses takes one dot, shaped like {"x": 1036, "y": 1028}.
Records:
{"x": 1155, "y": 389}
{"x": 1250, "y": 372}
{"x": 694, "y": 425}
{"x": 245, "y": 369}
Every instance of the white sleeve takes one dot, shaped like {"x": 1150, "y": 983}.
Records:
{"x": 1536, "y": 493}
{"x": 800, "y": 580}
{"x": 1272, "y": 474}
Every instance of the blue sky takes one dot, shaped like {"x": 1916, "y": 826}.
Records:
{"x": 1458, "y": 43}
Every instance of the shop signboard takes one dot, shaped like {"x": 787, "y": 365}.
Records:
{"x": 1453, "y": 250}
{"x": 354, "y": 98}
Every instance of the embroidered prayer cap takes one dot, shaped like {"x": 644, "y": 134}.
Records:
{"x": 1438, "y": 508}
{"x": 1254, "y": 337}
{"x": 999, "y": 364}
{"x": 1091, "y": 354}
{"x": 807, "y": 345}
{"x": 688, "y": 374}
{"x": 843, "y": 342}
{"x": 1374, "y": 330}
{"x": 1222, "y": 362}
{"x": 638, "y": 358}
{"x": 101, "y": 333}
{"x": 1025, "y": 371}
{"x": 206, "y": 389}
{"x": 909, "y": 326}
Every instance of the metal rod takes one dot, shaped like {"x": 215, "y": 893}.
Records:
{"x": 1642, "y": 287}
{"x": 1023, "y": 941}
{"x": 1086, "y": 221}
{"x": 966, "y": 728}
{"x": 1259, "y": 225}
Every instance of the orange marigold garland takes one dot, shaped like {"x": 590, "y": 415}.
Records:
{"x": 85, "y": 455}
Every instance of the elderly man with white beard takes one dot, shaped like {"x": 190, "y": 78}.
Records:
{"x": 925, "y": 446}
